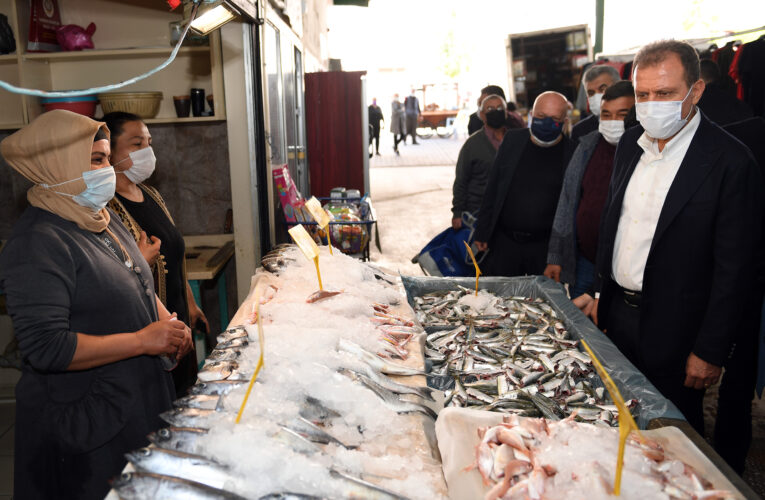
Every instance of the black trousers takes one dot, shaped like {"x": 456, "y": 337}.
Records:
{"x": 375, "y": 137}
{"x": 733, "y": 425}
{"x": 624, "y": 331}
{"x": 508, "y": 257}
{"x": 397, "y": 138}
{"x": 411, "y": 127}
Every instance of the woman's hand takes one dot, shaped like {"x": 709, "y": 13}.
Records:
{"x": 164, "y": 337}
{"x": 196, "y": 314}
{"x": 149, "y": 250}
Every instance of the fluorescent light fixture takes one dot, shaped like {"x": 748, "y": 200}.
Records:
{"x": 212, "y": 16}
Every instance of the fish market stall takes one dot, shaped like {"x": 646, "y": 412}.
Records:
{"x": 338, "y": 410}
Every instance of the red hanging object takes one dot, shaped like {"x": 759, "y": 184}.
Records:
{"x": 173, "y": 4}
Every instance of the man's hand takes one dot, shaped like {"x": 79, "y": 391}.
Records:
{"x": 457, "y": 223}
{"x": 552, "y": 271}
{"x": 196, "y": 314}
{"x": 699, "y": 374}
{"x": 150, "y": 251}
{"x": 482, "y": 246}
{"x": 588, "y": 306}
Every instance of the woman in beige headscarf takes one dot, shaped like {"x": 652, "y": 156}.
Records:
{"x": 94, "y": 338}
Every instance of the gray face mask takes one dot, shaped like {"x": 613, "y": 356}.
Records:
{"x": 100, "y": 183}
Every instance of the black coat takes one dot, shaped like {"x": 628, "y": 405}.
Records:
{"x": 699, "y": 269}
{"x": 500, "y": 177}
{"x": 584, "y": 127}
{"x": 722, "y": 107}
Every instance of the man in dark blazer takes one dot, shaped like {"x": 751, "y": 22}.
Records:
{"x": 516, "y": 215}
{"x": 679, "y": 234}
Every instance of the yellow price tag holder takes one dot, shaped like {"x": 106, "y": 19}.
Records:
{"x": 259, "y": 366}
{"x": 306, "y": 245}
{"x": 475, "y": 264}
{"x": 320, "y": 216}
{"x": 626, "y": 422}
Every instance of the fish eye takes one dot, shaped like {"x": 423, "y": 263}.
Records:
{"x": 165, "y": 433}
{"x": 145, "y": 452}
{"x": 126, "y": 476}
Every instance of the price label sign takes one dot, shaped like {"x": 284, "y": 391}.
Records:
{"x": 626, "y": 422}
{"x": 475, "y": 264}
{"x": 306, "y": 245}
{"x": 321, "y": 217}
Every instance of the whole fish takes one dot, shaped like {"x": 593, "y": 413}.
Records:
{"x": 314, "y": 433}
{"x": 392, "y": 401}
{"x": 144, "y": 485}
{"x": 221, "y": 370}
{"x": 369, "y": 490}
{"x": 179, "y": 464}
{"x": 231, "y": 334}
{"x": 376, "y": 361}
{"x": 218, "y": 387}
{"x": 233, "y": 343}
{"x": 225, "y": 354}
{"x": 188, "y": 417}
{"x": 177, "y": 438}
{"x": 388, "y": 383}
{"x": 201, "y": 401}
{"x": 314, "y": 411}
{"x": 290, "y": 496}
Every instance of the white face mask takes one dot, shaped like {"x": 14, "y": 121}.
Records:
{"x": 143, "y": 166}
{"x": 594, "y": 102}
{"x": 100, "y": 183}
{"x": 662, "y": 119}
{"x": 611, "y": 130}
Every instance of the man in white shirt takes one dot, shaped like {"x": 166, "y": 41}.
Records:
{"x": 679, "y": 234}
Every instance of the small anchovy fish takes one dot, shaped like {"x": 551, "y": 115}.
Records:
{"x": 143, "y": 485}
{"x": 201, "y": 401}
{"x": 296, "y": 441}
{"x": 179, "y": 464}
{"x": 187, "y": 417}
{"x": 313, "y": 433}
{"x": 177, "y": 438}
{"x": 314, "y": 411}
{"x": 218, "y": 387}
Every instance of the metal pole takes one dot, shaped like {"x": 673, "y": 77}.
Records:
{"x": 599, "y": 9}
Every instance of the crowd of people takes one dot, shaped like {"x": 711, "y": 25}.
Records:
{"x": 650, "y": 212}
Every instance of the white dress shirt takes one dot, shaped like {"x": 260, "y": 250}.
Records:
{"x": 643, "y": 200}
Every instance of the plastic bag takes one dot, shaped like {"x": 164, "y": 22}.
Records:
{"x": 73, "y": 37}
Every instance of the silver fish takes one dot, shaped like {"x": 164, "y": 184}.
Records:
{"x": 388, "y": 383}
{"x": 232, "y": 334}
{"x": 370, "y": 491}
{"x": 202, "y": 401}
{"x": 314, "y": 410}
{"x": 218, "y": 387}
{"x": 179, "y": 464}
{"x": 188, "y": 417}
{"x": 233, "y": 343}
{"x": 290, "y": 496}
{"x": 313, "y": 433}
{"x": 221, "y": 370}
{"x": 177, "y": 438}
{"x": 143, "y": 485}
{"x": 225, "y": 354}
{"x": 392, "y": 401}
{"x": 376, "y": 361}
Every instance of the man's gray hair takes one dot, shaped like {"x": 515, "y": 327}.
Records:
{"x": 656, "y": 52}
{"x": 493, "y": 96}
{"x": 599, "y": 70}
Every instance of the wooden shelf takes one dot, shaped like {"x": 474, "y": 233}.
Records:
{"x": 11, "y": 126}
{"x": 8, "y": 58}
{"x": 110, "y": 53}
{"x": 190, "y": 119}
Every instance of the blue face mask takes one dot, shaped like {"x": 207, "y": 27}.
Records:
{"x": 100, "y": 183}
{"x": 546, "y": 129}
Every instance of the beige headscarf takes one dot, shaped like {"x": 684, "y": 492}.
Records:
{"x": 55, "y": 148}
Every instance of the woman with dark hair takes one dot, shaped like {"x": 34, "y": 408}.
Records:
{"x": 91, "y": 330}
{"x": 144, "y": 213}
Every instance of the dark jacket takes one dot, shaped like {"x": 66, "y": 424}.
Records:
{"x": 722, "y": 107}
{"x": 500, "y": 177}
{"x": 698, "y": 273}
{"x": 472, "y": 173}
{"x": 562, "y": 249}
{"x": 584, "y": 127}
{"x": 73, "y": 427}
{"x": 475, "y": 123}
{"x": 375, "y": 116}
